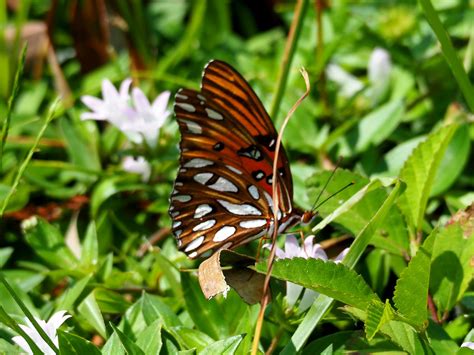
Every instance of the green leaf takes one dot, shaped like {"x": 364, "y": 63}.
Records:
{"x": 149, "y": 340}
{"x": 405, "y": 336}
{"x": 110, "y": 301}
{"x": 440, "y": 340}
{"x": 89, "y": 309}
{"x": 73, "y": 344}
{"x": 225, "y": 346}
{"x": 411, "y": 290}
{"x": 378, "y": 314}
{"x": 206, "y": 314}
{"x": 190, "y": 338}
{"x": 129, "y": 346}
{"x": 90, "y": 248}
{"x": 5, "y": 254}
{"x": 419, "y": 172}
{"x": 170, "y": 272}
{"x": 113, "y": 346}
{"x": 326, "y": 277}
{"x": 153, "y": 309}
{"x": 67, "y": 300}
{"x": 454, "y": 160}
{"x": 47, "y": 241}
{"x": 451, "y": 269}
{"x": 322, "y": 303}
{"x": 377, "y": 125}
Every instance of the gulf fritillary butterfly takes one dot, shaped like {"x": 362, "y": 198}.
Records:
{"x": 222, "y": 196}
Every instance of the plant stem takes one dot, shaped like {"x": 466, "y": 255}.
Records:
{"x": 449, "y": 52}
{"x": 290, "y": 47}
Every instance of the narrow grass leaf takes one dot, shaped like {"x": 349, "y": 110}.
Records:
{"x": 25, "y": 162}
{"x": 411, "y": 290}
{"x": 419, "y": 172}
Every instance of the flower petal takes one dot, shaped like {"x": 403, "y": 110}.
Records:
{"x": 21, "y": 342}
{"x": 140, "y": 101}
{"x": 292, "y": 248}
{"x": 125, "y": 88}
{"x": 92, "y": 102}
{"x": 161, "y": 103}
{"x": 109, "y": 92}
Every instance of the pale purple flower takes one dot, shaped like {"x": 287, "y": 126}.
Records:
{"x": 50, "y": 328}
{"x": 137, "y": 165}
{"x": 307, "y": 251}
{"x": 138, "y": 119}
{"x": 468, "y": 344}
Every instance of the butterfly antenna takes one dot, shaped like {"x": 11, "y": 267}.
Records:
{"x": 334, "y": 194}
{"x": 314, "y": 207}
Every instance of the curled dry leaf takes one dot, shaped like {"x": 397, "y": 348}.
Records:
{"x": 226, "y": 269}
{"x": 465, "y": 218}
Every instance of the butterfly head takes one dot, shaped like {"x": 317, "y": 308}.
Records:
{"x": 307, "y": 217}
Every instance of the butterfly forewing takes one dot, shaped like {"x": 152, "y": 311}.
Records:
{"x": 222, "y": 195}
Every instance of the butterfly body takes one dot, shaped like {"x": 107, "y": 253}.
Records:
{"x": 222, "y": 196}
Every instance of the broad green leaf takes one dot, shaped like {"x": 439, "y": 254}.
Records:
{"x": 90, "y": 248}
{"x": 376, "y": 266}
{"x": 149, "y": 340}
{"x": 226, "y": 346}
{"x": 406, "y": 337}
{"x": 153, "y": 309}
{"x": 67, "y": 300}
{"x": 206, "y": 314}
{"x": 170, "y": 272}
{"x": 377, "y": 125}
{"x": 190, "y": 338}
{"x": 47, "y": 241}
{"x": 419, "y": 172}
{"x": 110, "y": 301}
{"x": 129, "y": 346}
{"x": 326, "y": 277}
{"x": 451, "y": 269}
{"x": 89, "y": 309}
{"x": 70, "y": 343}
{"x": 378, "y": 314}
{"x": 24, "y": 279}
{"x": 5, "y": 254}
{"x": 454, "y": 160}
{"x": 322, "y": 302}
{"x": 411, "y": 290}
{"x": 113, "y": 346}
{"x": 440, "y": 340}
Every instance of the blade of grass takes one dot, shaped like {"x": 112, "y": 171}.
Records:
{"x": 28, "y": 314}
{"x": 23, "y": 165}
{"x": 290, "y": 47}
{"x": 11, "y": 101}
{"x": 323, "y": 303}
{"x": 10, "y": 322}
{"x": 449, "y": 52}
{"x": 4, "y": 54}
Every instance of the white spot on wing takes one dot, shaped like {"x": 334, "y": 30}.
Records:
{"x": 174, "y": 214}
{"x": 181, "y": 96}
{"x": 202, "y": 178}
{"x": 181, "y": 198}
{"x": 196, "y": 243}
{"x": 223, "y": 185}
{"x": 235, "y": 170}
{"x": 198, "y": 163}
{"x": 224, "y": 233}
{"x": 214, "y": 114}
{"x": 204, "y": 225}
{"x": 241, "y": 210}
{"x": 253, "y": 191}
{"x": 200, "y": 97}
{"x": 177, "y": 233}
{"x": 254, "y": 223}
{"x": 193, "y": 254}
{"x": 186, "y": 107}
{"x": 176, "y": 224}
{"x": 193, "y": 127}
{"x": 202, "y": 210}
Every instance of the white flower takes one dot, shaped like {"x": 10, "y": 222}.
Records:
{"x": 468, "y": 344}
{"x": 347, "y": 82}
{"x": 140, "y": 122}
{"x": 308, "y": 250}
{"x": 137, "y": 165}
{"x": 50, "y": 328}
{"x": 379, "y": 67}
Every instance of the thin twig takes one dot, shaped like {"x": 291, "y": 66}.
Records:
{"x": 275, "y": 188}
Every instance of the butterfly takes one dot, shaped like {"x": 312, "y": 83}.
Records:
{"x": 222, "y": 196}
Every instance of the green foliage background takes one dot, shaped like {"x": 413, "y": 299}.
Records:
{"x": 406, "y": 283}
